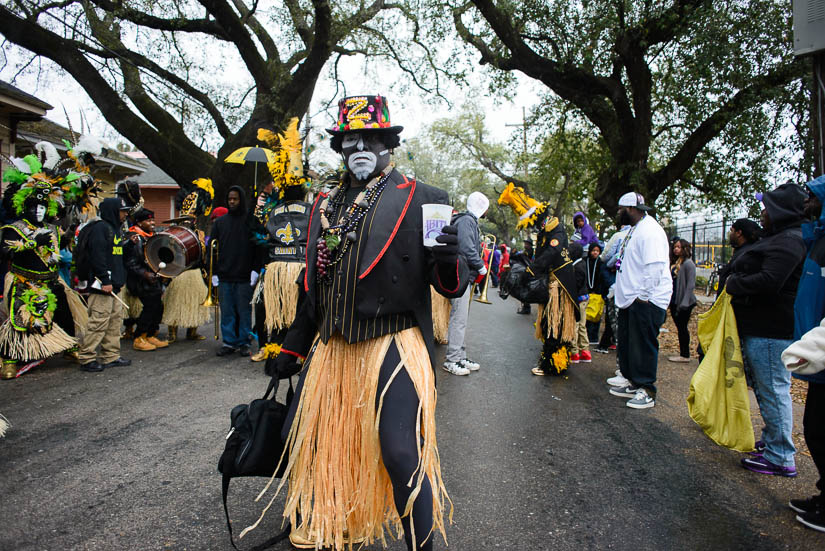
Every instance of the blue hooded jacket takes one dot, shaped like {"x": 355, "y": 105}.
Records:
{"x": 809, "y": 307}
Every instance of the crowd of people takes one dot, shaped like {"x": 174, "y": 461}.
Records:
{"x": 344, "y": 293}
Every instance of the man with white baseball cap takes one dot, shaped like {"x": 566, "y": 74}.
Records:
{"x": 643, "y": 289}
{"x": 469, "y": 246}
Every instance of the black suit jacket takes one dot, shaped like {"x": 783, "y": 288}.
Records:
{"x": 396, "y": 270}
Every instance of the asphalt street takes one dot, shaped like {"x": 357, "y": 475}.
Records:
{"x": 126, "y": 459}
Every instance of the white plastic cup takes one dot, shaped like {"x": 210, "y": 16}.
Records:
{"x": 436, "y": 216}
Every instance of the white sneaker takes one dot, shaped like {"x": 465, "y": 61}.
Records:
{"x": 455, "y": 368}
{"x": 469, "y": 364}
{"x": 618, "y": 380}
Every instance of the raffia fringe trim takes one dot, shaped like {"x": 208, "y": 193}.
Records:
{"x": 77, "y": 306}
{"x": 28, "y": 347}
{"x": 133, "y": 302}
{"x": 559, "y": 314}
{"x": 4, "y": 425}
{"x": 339, "y": 491}
{"x": 182, "y": 301}
{"x": 441, "y": 316}
{"x": 281, "y": 294}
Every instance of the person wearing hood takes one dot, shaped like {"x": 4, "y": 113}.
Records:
{"x": 809, "y": 311}
{"x": 233, "y": 273}
{"x": 469, "y": 247}
{"x": 584, "y": 234}
{"x": 107, "y": 276}
{"x": 762, "y": 284}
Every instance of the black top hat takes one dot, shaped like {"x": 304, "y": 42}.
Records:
{"x": 356, "y": 113}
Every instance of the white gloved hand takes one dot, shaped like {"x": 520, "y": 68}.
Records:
{"x": 253, "y": 277}
{"x": 215, "y": 281}
{"x": 483, "y": 270}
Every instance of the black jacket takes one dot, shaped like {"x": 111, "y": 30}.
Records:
{"x": 106, "y": 247}
{"x": 764, "y": 276}
{"x": 236, "y": 252}
{"x": 395, "y": 272}
{"x": 575, "y": 251}
{"x": 136, "y": 268}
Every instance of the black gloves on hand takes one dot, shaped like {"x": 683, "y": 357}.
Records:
{"x": 448, "y": 252}
{"x": 44, "y": 238}
{"x": 282, "y": 366}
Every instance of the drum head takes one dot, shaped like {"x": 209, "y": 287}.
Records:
{"x": 173, "y": 251}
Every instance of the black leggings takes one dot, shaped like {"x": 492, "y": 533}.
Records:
{"x": 149, "y": 320}
{"x": 396, "y": 431}
{"x": 681, "y": 319}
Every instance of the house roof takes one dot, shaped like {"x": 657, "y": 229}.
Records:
{"x": 7, "y": 89}
{"x": 154, "y": 177}
{"x": 44, "y": 129}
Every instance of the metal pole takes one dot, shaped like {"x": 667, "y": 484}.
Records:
{"x": 724, "y": 244}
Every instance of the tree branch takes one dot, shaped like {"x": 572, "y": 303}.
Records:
{"x": 252, "y": 22}
{"x": 205, "y": 25}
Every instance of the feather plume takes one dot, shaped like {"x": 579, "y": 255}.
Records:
{"x": 89, "y": 144}
{"x": 49, "y": 152}
{"x": 268, "y": 137}
{"x": 291, "y": 143}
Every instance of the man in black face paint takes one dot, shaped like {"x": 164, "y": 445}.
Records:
{"x": 367, "y": 319}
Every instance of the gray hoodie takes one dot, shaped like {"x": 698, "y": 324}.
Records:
{"x": 469, "y": 240}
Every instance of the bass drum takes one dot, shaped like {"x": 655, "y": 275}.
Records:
{"x": 173, "y": 251}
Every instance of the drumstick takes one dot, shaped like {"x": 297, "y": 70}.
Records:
{"x": 117, "y": 298}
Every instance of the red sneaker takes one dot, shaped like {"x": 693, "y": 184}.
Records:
{"x": 575, "y": 358}
{"x": 612, "y": 347}
{"x": 585, "y": 356}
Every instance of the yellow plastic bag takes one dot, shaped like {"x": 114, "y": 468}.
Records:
{"x": 595, "y": 307}
{"x": 718, "y": 399}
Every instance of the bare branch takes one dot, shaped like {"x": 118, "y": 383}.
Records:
{"x": 252, "y": 22}
{"x": 138, "y": 17}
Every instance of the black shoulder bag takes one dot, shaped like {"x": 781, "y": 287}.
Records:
{"x": 254, "y": 446}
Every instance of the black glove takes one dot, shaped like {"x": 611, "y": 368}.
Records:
{"x": 448, "y": 252}
{"x": 282, "y": 366}
{"x": 44, "y": 238}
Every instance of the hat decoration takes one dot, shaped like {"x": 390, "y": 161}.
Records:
{"x": 287, "y": 170}
{"x": 195, "y": 199}
{"x": 526, "y": 208}
{"x": 363, "y": 113}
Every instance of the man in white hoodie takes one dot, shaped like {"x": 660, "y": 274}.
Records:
{"x": 643, "y": 289}
{"x": 469, "y": 246}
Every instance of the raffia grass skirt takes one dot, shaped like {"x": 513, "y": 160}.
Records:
{"x": 182, "y": 301}
{"x": 441, "y": 316}
{"x": 559, "y": 315}
{"x": 24, "y": 346}
{"x": 339, "y": 492}
{"x": 133, "y": 302}
{"x": 281, "y": 294}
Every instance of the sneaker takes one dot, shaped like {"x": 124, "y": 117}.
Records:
{"x": 140, "y": 343}
{"x": 575, "y": 358}
{"x": 225, "y": 351}
{"x": 618, "y": 380}
{"x": 612, "y": 347}
{"x": 243, "y": 351}
{"x": 763, "y": 466}
{"x": 537, "y": 371}
{"x": 627, "y": 391}
{"x": 601, "y": 350}
{"x": 806, "y": 505}
{"x": 641, "y": 400}
{"x": 678, "y": 359}
{"x": 157, "y": 342}
{"x": 120, "y": 362}
{"x": 455, "y": 368}
{"x": 586, "y": 357}
{"x": 814, "y": 519}
{"x": 758, "y": 449}
{"x": 259, "y": 356}
{"x": 469, "y": 364}
{"x": 93, "y": 367}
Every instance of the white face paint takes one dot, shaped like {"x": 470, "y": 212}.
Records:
{"x": 362, "y": 154}
{"x": 40, "y": 212}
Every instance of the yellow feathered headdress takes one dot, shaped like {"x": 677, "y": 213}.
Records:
{"x": 287, "y": 170}
{"x": 526, "y": 208}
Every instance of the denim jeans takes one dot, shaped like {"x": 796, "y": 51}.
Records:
{"x": 236, "y": 313}
{"x": 772, "y": 387}
{"x": 638, "y": 343}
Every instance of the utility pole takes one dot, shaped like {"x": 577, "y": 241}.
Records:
{"x": 523, "y": 126}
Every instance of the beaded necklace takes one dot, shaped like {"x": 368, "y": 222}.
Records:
{"x": 336, "y": 239}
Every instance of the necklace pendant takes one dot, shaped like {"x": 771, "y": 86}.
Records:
{"x": 352, "y": 236}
